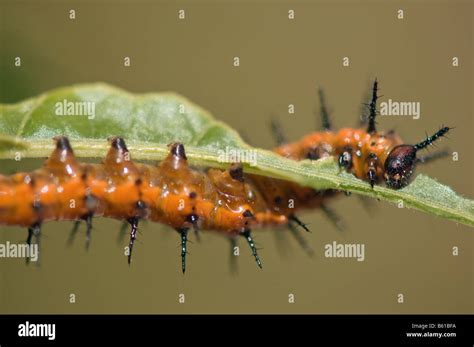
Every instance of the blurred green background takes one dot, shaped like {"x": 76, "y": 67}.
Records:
{"x": 282, "y": 62}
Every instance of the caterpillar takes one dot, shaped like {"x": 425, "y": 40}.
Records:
{"x": 229, "y": 202}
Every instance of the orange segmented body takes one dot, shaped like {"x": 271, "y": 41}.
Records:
{"x": 357, "y": 142}
{"x": 229, "y": 201}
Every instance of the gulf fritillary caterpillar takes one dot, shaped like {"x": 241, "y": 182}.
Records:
{"x": 226, "y": 201}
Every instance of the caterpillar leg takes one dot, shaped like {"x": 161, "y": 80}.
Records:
{"x": 372, "y": 165}
{"x": 251, "y": 243}
{"x": 193, "y": 219}
{"x": 300, "y": 239}
{"x": 133, "y": 236}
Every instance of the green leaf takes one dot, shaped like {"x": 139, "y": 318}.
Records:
{"x": 150, "y": 121}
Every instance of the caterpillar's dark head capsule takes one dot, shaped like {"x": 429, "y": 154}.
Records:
{"x": 399, "y": 166}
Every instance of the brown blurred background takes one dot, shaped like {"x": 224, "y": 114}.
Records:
{"x": 282, "y": 62}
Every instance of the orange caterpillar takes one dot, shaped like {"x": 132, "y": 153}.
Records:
{"x": 226, "y": 201}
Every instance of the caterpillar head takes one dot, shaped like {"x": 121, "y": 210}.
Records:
{"x": 399, "y": 166}
{"x": 401, "y": 160}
